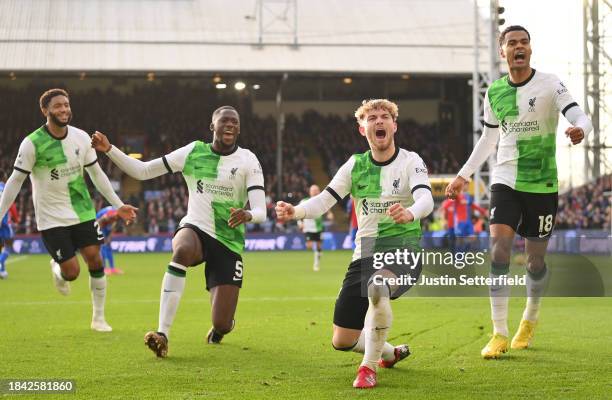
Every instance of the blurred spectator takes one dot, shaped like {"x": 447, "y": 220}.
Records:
{"x": 586, "y": 207}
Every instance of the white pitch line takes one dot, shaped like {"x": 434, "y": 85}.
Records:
{"x": 17, "y": 259}
{"x": 146, "y": 301}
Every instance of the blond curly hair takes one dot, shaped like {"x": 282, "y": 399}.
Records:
{"x": 376, "y": 104}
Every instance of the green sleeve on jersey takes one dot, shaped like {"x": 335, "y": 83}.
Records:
{"x": 502, "y": 98}
{"x": 201, "y": 162}
{"x": 365, "y": 177}
{"x": 49, "y": 151}
{"x": 80, "y": 199}
{"x": 232, "y": 238}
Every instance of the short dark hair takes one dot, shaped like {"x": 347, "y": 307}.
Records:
{"x": 46, "y": 97}
{"x": 218, "y": 110}
{"x": 512, "y": 28}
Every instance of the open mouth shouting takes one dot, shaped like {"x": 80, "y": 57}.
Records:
{"x": 381, "y": 134}
{"x": 520, "y": 57}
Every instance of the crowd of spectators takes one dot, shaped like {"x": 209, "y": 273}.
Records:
{"x": 587, "y": 206}
{"x": 337, "y": 138}
{"x": 156, "y": 119}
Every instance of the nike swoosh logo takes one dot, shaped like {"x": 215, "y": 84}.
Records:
{"x": 237, "y": 279}
{"x": 544, "y": 235}
{"x": 381, "y": 329}
{"x": 361, "y": 186}
{"x": 169, "y": 291}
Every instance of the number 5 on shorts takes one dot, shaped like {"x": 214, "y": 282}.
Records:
{"x": 238, "y": 271}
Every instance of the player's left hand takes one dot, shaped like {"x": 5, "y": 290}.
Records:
{"x": 127, "y": 213}
{"x": 400, "y": 214}
{"x": 575, "y": 134}
{"x": 238, "y": 216}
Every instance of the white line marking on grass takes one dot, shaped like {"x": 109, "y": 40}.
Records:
{"x": 17, "y": 259}
{"x": 146, "y": 301}
{"x": 296, "y": 298}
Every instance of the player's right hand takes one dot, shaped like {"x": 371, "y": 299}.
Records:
{"x": 575, "y": 134}
{"x": 127, "y": 213}
{"x": 100, "y": 142}
{"x": 284, "y": 211}
{"x": 455, "y": 187}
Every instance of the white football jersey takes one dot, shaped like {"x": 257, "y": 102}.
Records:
{"x": 55, "y": 166}
{"x": 527, "y": 115}
{"x": 216, "y": 183}
{"x": 375, "y": 187}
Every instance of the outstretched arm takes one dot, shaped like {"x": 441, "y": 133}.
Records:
{"x": 311, "y": 208}
{"x": 318, "y": 205}
{"x": 102, "y": 183}
{"x": 134, "y": 168}
{"x": 483, "y": 149}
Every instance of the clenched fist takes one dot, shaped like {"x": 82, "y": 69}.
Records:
{"x": 284, "y": 211}
{"x": 100, "y": 142}
{"x": 575, "y": 134}
{"x": 400, "y": 214}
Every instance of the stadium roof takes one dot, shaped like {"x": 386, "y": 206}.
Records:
{"x": 386, "y": 36}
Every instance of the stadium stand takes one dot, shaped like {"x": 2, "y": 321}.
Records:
{"x": 168, "y": 117}
{"x": 586, "y": 207}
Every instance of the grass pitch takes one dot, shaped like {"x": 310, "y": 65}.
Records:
{"x": 281, "y": 345}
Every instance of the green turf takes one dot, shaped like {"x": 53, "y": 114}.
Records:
{"x": 281, "y": 346}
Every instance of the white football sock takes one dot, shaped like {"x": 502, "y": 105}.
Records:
{"x": 98, "y": 296}
{"x": 388, "y": 352}
{"x": 535, "y": 290}
{"x": 172, "y": 289}
{"x": 57, "y": 270}
{"x": 377, "y": 325}
{"x": 499, "y": 296}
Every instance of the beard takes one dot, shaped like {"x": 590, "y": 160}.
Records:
{"x": 59, "y": 123}
{"x": 375, "y": 145}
